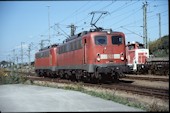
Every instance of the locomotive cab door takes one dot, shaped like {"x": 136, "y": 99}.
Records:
{"x": 85, "y": 51}
{"x": 50, "y": 57}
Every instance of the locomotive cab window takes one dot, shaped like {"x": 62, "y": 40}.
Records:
{"x": 100, "y": 40}
{"x": 141, "y": 46}
{"x": 131, "y": 47}
{"x": 117, "y": 40}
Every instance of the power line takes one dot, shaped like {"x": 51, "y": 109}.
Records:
{"x": 131, "y": 31}
{"x": 138, "y": 20}
{"x": 122, "y": 7}
{"x": 62, "y": 30}
{"x": 119, "y": 9}
{"x": 123, "y": 19}
{"x": 73, "y": 12}
{"x": 86, "y": 17}
{"x": 107, "y": 5}
{"x": 49, "y": 22}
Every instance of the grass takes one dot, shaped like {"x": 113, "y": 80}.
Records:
{"x": 156, "y": 108}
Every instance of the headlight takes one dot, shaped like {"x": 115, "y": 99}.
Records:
{"x": 122, "y": 58}
{"x": 98, "y": 59}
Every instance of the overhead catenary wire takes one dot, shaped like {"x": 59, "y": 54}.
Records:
{"x": 125, "y": 5}
{"x": 138, "y": 20}
{"x": 123, "y": 19}
{"x": 88, "y": 15}
{"x": 81, "y": 26}
{"x": 74, "y": 12}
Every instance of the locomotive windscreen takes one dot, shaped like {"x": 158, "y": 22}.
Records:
{"x": 116, "y": 40}
{"x": 100, "y": 40}
{"x": 141, "y": 46}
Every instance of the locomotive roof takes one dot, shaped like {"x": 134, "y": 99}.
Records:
{"x": 134, "y": 42}
{"x": 80, "y": 35}
{"x": 48, "y": 47}
{"x": 91, "y": 31}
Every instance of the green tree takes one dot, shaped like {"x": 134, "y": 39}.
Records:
{"x": 160, "y": 47}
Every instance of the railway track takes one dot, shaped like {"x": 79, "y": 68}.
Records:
{"x": 147, "y": 78}
{"x": 141, "y": 90}
{"x": 137, "y": 77}
{"x": 147, "y": 91}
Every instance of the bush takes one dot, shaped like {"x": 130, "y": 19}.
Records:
{"x": 11, "y": 79}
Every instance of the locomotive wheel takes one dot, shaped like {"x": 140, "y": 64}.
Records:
{"x": 73, "y": 77}
{"x": 115, "y": 77}
{"x": 66, "y": 76}
{"x": 99, "y": 79}
{"x": 61, "y": 74}
{"x": 87, "y": 78}
{"x": 94, "y": 79}
{"x": 48, "y": 74}
{"x": 78, "y": 75}
{"x": 41, "y": 73}
{"x": 37, "y": 73}
{"x": 57, "y": 75}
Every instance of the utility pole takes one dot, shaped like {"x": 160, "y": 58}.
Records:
{"x": 13, "y": 66}
{"x": 41, "y": 44}
{"x": 21, "y": 55}
{"x": 29, "y": 56}
{"x": 159, "y": 15}
{"x": 13, "y": 55}
{"x": 145, "y": 42}
{"x": 17, "y": 63}
{"x": 73, "y": 29}
{"x": 9, "y": 60}
{"x": 49, "y": 22}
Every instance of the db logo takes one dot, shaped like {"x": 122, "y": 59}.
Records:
{"x": 110, "y": 56}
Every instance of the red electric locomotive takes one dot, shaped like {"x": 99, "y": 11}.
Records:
{"x": 91, "y": 55}
{"x": 96, "y": 55}
{"x": 46, "y": 61}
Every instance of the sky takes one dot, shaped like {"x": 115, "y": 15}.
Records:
{"x": 29, "y": 22}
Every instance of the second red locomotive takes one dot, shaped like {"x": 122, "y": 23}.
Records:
{"x": 95, "y": 55}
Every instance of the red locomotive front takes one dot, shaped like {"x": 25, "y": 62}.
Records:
{"x": 107, "y": 48}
